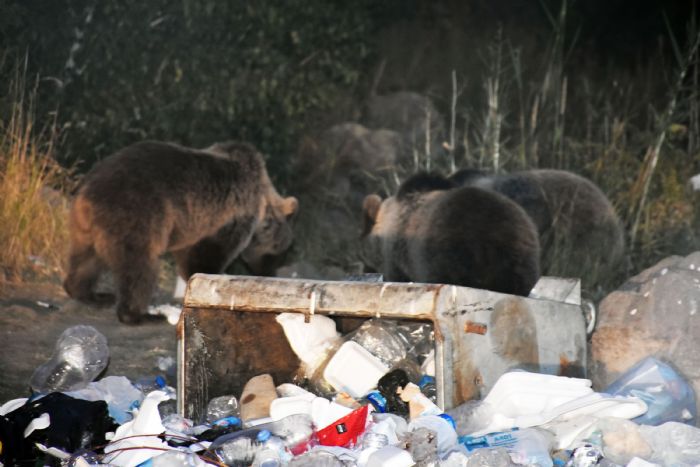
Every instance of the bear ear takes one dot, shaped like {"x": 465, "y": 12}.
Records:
{"x": 290, "y": 206}
{"x": 370, "y": 209}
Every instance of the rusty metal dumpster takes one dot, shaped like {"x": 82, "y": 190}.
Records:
{"x": 227, "y": 331}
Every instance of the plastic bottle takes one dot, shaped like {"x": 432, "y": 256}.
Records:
{"x": 371, "y": 442}
{"x": 238, "y": 448}
{"x": 273, "y": 451}
{"x": 221, "y": 407}
{"x": 381, "y": 338}
{"x": 80, "y": 355}
{"x": 428, "y": 388}
{"x": 296, "y": 432}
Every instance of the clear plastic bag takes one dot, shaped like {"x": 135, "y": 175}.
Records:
{"x": 667, "y": 394}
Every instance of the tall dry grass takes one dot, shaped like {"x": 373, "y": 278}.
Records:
{"x": 33, "y": 212}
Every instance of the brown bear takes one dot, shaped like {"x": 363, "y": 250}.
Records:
{"x": 433, "y": 231}
{"x": 580, "y": 233}
{"x": 205, "y": 206}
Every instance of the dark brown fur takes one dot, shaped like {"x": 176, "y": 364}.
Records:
{"x": 204, "y": 206}
{"x": 580, "y": 232}
{"x": 464, "y": 236}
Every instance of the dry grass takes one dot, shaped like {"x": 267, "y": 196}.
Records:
{"x": 33, "y": 212}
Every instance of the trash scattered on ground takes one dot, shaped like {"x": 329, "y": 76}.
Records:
{"x": 170, "y": 312}
{"x": 366, "y": 403}
{"x": 81, "y": 353}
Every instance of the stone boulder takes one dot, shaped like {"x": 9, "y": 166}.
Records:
{"x": 653, "y": 313}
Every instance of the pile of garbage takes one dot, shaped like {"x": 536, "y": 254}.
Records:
{"x": 365, "y": 399}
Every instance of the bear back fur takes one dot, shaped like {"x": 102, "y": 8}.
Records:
{"x": 581, "y": 235}
{"x": 433, "y": 232}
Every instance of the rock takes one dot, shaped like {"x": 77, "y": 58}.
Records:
{"x": 653, "y": 313}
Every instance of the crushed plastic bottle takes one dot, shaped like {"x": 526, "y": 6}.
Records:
{"x": 381, "y": 339}
{"x": 273, "y": 452}
{"x": 222, "y": 407}
{"x": 238, "y": 448}
{"x": 296, "y": 431}
{"x": 80, "y": 355}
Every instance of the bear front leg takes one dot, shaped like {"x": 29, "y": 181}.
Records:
{"x": 207, "y": 256}
{"x": 136, "y": 282}
{"x": 84, "y": 268}
{"x": 211, "y": 255}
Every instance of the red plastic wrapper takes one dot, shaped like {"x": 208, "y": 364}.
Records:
{"x": 345, "y": 430}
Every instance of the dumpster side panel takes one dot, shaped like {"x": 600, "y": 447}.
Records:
{"x": 493, "y": 333}
{"x": 222, "y": 350}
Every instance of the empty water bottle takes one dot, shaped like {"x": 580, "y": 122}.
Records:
{"x": 238, "y": 448}
{"x": 381, "y": 338}
{"x": 222, "y": 407}
{"x": 273, "y": 452}
{"x": 80, "y": 355}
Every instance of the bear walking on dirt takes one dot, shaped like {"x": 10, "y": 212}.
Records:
{"x": 434, "y": 231}
{"x": 581, "y": 235}
{"x": 205, "y": 206}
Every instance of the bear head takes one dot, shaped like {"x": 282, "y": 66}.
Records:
{"x": 273, "y": 234}
{"x": 384, "y": 220}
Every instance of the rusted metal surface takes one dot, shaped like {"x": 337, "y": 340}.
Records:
{"x": 470, "y": 327}
{"x": 228, "y": 334}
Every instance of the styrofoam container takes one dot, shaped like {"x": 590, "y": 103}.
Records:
{"x": 353, "y": 369}
{"x": 284, "y": 406}
{"x": 325, "y": 412}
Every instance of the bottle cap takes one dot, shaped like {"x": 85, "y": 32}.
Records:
{"x": 426, "y": 379}
{"x": 160, "y": 381}
{"x": 263, "y": 435}
{"x": 227, "y": 421}
{"x": 377, "y": 400}
{"x": 449, "y": 419}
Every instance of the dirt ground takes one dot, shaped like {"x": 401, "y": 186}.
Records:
{"x": 33, "y": 316}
